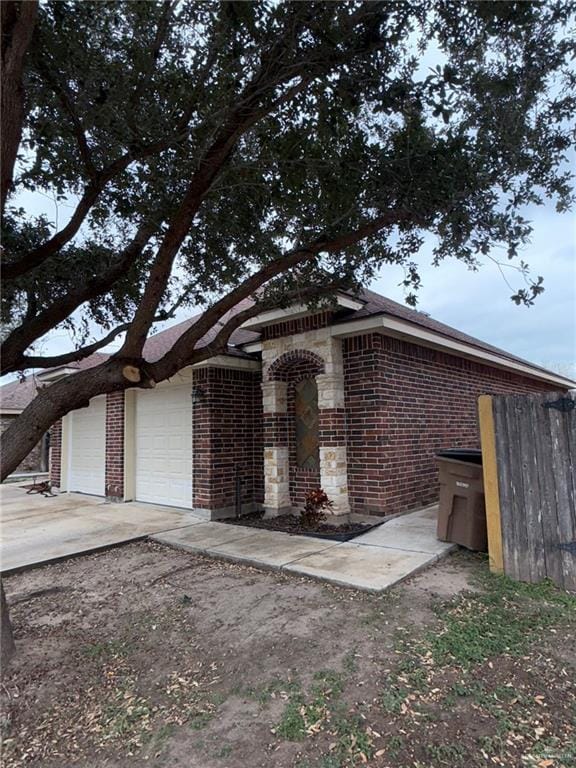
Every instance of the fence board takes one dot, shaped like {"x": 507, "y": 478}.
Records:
{"x": 532, "y": 489}
{"x": 535, "y": 449}
{"x": 549, "y": 510}
{"x": 570, "y": 559}
{"x": 509, "y": 550}
{"x": 564, "y": 493}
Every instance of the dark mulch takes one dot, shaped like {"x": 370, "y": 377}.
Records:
{"x": 292, "y": 524}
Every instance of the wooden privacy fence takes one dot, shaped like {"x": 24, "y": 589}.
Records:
{"x": 529, "y": 461}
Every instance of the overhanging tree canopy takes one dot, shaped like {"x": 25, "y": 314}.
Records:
{"x": 219, "y": 151}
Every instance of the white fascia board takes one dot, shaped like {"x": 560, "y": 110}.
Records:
{"x": 229, "y": 361}
{"x": 251, "y": 347}
{"x": 56, "y": 373}
{"x": 10, "y": 411}
{"x": 296, "y": 311}
{"x": 347, "y": 302}
{"x": 424, "y": 337}
{"x": 276, "y": 316}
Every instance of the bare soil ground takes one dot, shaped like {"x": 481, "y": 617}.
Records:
{"x": 144, "y": 655}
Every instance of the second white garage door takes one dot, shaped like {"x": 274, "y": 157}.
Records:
{"x": 88, "y": 448}
{"x": 163, "y": 445}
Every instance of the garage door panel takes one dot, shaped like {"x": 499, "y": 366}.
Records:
{"x": 163, "y": 447}
{"x": 88, "y": 448}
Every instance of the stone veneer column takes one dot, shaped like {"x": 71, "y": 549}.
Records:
{"x": 332, "y": 439}
{"x": 276, "y": 458}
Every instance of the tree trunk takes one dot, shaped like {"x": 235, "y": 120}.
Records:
{"x": 46, "y": 408}
{"x": 7, "y": 646}
{"x": 52, "y": 403}
{"x": 18, "y": 20}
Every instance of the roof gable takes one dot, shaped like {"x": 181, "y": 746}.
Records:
{"x": 16, "y": 395}
{"x": 375, "y": 305}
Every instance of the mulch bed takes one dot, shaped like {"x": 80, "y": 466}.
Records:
{"x": 292, "y": 524}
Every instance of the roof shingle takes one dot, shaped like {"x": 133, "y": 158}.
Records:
{"x": 157, "y": 346}
{"x": 375, "y": 304}
{"x": 17, "y": 394}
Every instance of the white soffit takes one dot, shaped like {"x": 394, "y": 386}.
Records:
{"x": 230, "y": 361}
{"x": 253, "y": 346}
{"x": 56, "y": 373}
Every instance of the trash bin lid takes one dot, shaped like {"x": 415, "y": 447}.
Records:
{"x": 471, "y": 455}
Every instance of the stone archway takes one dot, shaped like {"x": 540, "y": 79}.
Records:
{"x": 296, "y": 359}
{"x": 303, "y": 404}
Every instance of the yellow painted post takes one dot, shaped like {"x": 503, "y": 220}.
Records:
{"x": 491, "y": 492}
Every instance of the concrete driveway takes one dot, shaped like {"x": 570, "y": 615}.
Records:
{"x": 35, "y": 529}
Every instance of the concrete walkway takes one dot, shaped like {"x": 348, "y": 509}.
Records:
{"x": 374, "y": 561}
{"x": 36, "y": 529}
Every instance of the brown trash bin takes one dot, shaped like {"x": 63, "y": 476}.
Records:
{"x": 462, "y": 512}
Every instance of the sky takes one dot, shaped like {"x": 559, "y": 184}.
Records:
{"x": 479, "y": 303}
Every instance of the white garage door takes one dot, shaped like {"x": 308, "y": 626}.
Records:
{"x": 163, "y": 460}
{"x": 88, "y": 448}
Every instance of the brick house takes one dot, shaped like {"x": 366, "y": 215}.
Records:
{"x": 14, "y": 397}
{"x": 357, "y": 400}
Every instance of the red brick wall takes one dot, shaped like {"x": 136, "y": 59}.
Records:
{"x": 403, "y": 404}
{"x": 296, "y": 362}
{"x": 227, "y": 438}
{"x": 300, "y": 325}
{"x": 115, "y": 445}
{"x": 55, "y": 453}
{"x": 332, "y": 426}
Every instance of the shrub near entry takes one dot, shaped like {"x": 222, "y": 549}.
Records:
{"x": 316, "y": 505}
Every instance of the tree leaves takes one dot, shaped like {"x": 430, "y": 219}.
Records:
{"x": 462, "y": 147}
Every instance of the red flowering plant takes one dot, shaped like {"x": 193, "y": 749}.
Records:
{"x": 316, "y": 505}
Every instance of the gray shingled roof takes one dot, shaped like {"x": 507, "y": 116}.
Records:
{"x": 16, "y": 395}
{"x": 375, "y": 305}
{"x": 156, "y": 346}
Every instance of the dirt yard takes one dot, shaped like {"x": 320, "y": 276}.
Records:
{"x": 144, "y": 655}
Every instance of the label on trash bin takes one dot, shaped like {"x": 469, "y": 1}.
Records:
{"x": 462, "y": 485}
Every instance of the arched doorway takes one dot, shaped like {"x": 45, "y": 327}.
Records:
{"x": 297, "y": 371}
{"x": 303, "y": 433}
